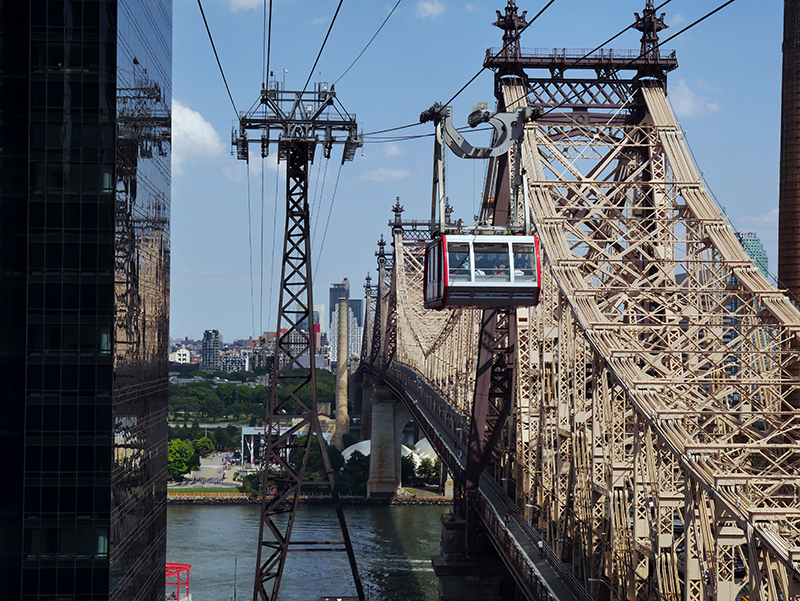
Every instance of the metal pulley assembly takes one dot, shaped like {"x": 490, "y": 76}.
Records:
{"x": 478, "y": 266}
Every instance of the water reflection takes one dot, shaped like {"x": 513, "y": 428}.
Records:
{"x": 393, "y": 547}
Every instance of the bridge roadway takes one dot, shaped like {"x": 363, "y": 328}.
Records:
{"x": 545, "y": 579}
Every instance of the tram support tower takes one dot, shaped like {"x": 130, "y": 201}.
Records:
{"x": 296, "y": 122}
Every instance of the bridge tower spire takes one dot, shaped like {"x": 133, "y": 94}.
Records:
{"x": 649, "y": 23}
{"x": 511, "y": 22}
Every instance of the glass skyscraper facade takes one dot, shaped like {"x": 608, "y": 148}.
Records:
{"x": 85, "y": 91}
{"x": 755, "y": 250}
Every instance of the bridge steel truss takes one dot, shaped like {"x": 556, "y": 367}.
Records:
{"x": 654, "y": 442}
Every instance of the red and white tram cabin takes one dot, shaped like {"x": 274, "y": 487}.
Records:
{"x": 482, "y": 271}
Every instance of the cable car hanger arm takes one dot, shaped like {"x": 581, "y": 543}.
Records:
{"x": 508, "y": 128}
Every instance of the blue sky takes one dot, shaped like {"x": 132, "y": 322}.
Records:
{"x": 726, "y": 93}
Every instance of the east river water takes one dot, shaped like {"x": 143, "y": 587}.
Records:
{"x": 393, "y": 547}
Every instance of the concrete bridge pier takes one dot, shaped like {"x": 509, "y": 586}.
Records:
{"x": 479, "y": 576}
{"x": 388, "y": 417}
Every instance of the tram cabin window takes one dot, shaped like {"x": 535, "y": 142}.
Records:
{"x": 458, "y": 261}
{"x": 491, "y": 262}
{"x": 524, "y": 262}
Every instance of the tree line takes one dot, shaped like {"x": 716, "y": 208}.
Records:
{"x": 239, "y": 401}
{"x": 188, "y": 444}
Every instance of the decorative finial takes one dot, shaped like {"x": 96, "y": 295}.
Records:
{"x": 650, "y": 24}
{"x": 381, "y": 252}
{"x": 397, "y": 209}
{"x": 511, "y": 23}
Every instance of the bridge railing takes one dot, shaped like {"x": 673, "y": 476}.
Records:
{"x": 512, "y": 555}
{"x": 399, "y": 378}
{"x": 533, "y": 535}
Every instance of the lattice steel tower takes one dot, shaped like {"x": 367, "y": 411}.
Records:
{"x": 297, "y": 119}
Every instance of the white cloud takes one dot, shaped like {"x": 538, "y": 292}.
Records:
{"x": 384, "y": 175}
{"x": 426, "y": 9}
{"x": 392, "y": 149}
{"x": 689, "y": 101}
{"x": 193, "y": 138}
{"x": 470, "y": 8}
{"x": 769, "y": 219}
{"x": 242, "y": 5}
{"x": 676, "y": 20}
{"x": 319, "y": 20}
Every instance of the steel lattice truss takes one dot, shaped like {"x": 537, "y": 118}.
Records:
{"x": 655, "y": 443}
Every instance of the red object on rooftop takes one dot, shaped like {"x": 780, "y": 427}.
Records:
{"x": 180, "y": 573}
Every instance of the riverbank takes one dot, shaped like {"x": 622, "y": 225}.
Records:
{"x": 235, "y": 498}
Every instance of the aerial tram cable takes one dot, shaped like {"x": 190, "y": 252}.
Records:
{"x": 328, "y": 220}
{"x": 319, "y": 204}
{"x": 649, "y": 50}
{"x": 474, "y": 77}
{"x": 250, "y": 245}
{"x": 267, "y": 43}
{"x": 275, "y": 208}
{"x": 391, "y": 12}
{"x": 554, "y": 108}
{"x": 608, "y": 41}
{"x": 325, "y": 41}
{"x": 219, "y": 64}
{"x": 274, "y": 229}
{"x": 316, "y": 190}
{"x": 514, "y": 39}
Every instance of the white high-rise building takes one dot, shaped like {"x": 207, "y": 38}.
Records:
{"x": 182, "y": 355}
{"x": 354, "y": 335}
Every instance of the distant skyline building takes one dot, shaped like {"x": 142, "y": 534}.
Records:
{"x": 85, "y": 97}
{"x": 212, "y": 342}
{"x": 319, "y": 316}
{"x": 233, "y": 363}
{"x": 356, "y": 305}
{"x": 319, "y": 321}
{"x": 336, "y": 292}
{"x": 182, "y": 355}
{"x": 354, "y": 335}
{"x": 754, "y": 249}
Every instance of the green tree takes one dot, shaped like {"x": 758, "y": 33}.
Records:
{"x": 181, "y": 459}
{"x": 427, "y": 468}
{"x": 354, "y": 476}
{"x": 238, "y": 410}
{"x": 348, "y": 440}
{"x": 251, "y": 483}
{"x": 222, "y": 438}
{"x": 243, "y": 394}
{"x": 204, "y": 447}
{"x": 261, "y": 394}
{"x": 226, "y": 393}
{"x": 357, "y": 463}
{"x": 314, "y": 465}
{"x": 407, "y": 469}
